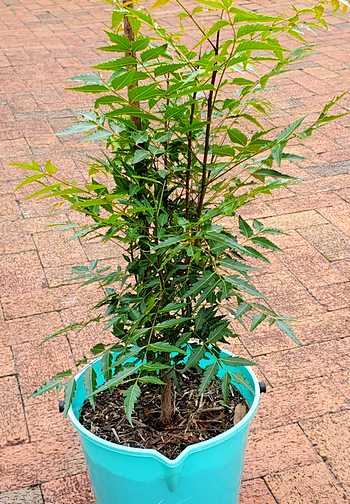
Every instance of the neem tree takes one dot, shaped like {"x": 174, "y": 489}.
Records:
{"x": 186, "y": 149}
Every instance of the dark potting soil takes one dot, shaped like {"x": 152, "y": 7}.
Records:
{"x": 196, "y": 419}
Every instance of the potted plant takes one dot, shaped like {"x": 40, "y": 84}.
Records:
{"x": 163, "y": 412}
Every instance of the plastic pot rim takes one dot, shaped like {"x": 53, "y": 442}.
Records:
{"x": 151, "y": 452}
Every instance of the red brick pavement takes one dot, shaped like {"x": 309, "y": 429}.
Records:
{"x": 299, "y": 447}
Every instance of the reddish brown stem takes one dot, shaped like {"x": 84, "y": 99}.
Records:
{"x": 129, "y": 33}
{"x": 167, "y": 406}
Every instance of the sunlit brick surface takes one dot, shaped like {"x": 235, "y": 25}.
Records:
{"x": 298, "y": 451}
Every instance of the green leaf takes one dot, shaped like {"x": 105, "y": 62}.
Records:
{"x": 172, "y": 307}
{"x": 151, "y": 379}
{"x": 288, "y": 331}
{"x": 98, "y": 348}
{"x": 34, "y": 166}
{"x": 125, "y": 79}
{"x": 116, "y": 64}
{"x": 172, "y": 240}
{"x": 90, "y": 88}
{"x": 208, "y": 377}
{"x": 251, "y": 45}
{"x": 76, "y": 128}
{"x": 234, "y": 361}
{"x": 50, "y": 168}
{"x": 267, "y": 172}
{"x": 132, "y": 395}
{"x": 87, "y": 78}
{"x": 53, "y": 384}
{"x": 140, "y": 44}
{"x": 253, "y": 28}
{"x": 30, "y": 180}
{"x": 69, "y": 392}
{"x": 90, "y": 382}
{"x": 196, "y": 355}
{"x": 201, "y": 284}
{"x": 216, "y": 27}
{"x": 242, "y": 309}
{"x": 244, "y": 227}
{"x": 236, "y": 265}
{"x": 289, "y": 130}
{"x": 166, "y": 324}
{"x": 159, "y": 3}
{"x": 121, "y": 42}
{"x": 265, "y": 243}
{"x": 153, "y": 53}
{"x": 236, "y": 136}
{"x": 257, "y": 320}
{"x": 106, "y": 365}
{"x": 163, "y": 346}
{"x": 238, "y": 283}
{"x": 117, "y": 379}
{"x": 145, "y": 92}
{"x": 242, "y": 15}
{"x": 140, "y": 155}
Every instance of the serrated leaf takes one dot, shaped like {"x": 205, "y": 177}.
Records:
{"x": 166, "y": 324}
{"x": 172, "y": 307}
{"x": 195, "y": 356}
{"x": 242, "y": 15}
{"x": 201, "y": 284}
{"x": 117, "y": 379}
{"x": 88, "y": 78}
{"x": 147, "y": 92}
{"x": 90, "y": 88}
{"x": 257, "y": 320}
{"x": 159, "y": 3}
{"x": 242, "y": 309}
{"x": 90, "y": 381}
{"x": 151, "y": 379}
{"x": 69, "y": 391}
{"x": 208, "y": 377}
{"x": 163, "y": 346}
{"x": 117, "y": 64}
{"x": 98, "y": 348}
{"x": 50, "y": 168}
{"x": 53, "y": 384}
{"x": 243, "y": 285}
{"x": 265, "y": 243}
{"x": 244, "y": 227}
{"x": 236, "y": 265}
{"x": 132, "y": 395}
{"x": 153, "y": 53}
{"x": 74, "y": 129}
{"x": 288, "y": 331}
{"x": 106, "y": 365}
{"x": 140, "y": 155}
{"x": 237, "y": 136}
{"x": 289, "y": 130}
{"x": 30, "y": 180}
{"x": 232, "y": 360}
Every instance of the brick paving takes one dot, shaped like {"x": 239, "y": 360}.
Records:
{"x": 299, "y": 446}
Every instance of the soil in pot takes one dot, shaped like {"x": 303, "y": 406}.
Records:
{"x": 196, "y": 419}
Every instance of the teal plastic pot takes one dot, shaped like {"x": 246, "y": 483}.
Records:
{"x": 204, "y": 473}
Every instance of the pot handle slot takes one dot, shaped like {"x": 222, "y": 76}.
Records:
{"x": 262, "y": 386}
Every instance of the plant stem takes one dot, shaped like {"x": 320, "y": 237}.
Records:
{"x": 207, "y": 132}
{"x": 189, "y": 158}
{"x": 129, "y": 33}
{"x": 167, "y": 406}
